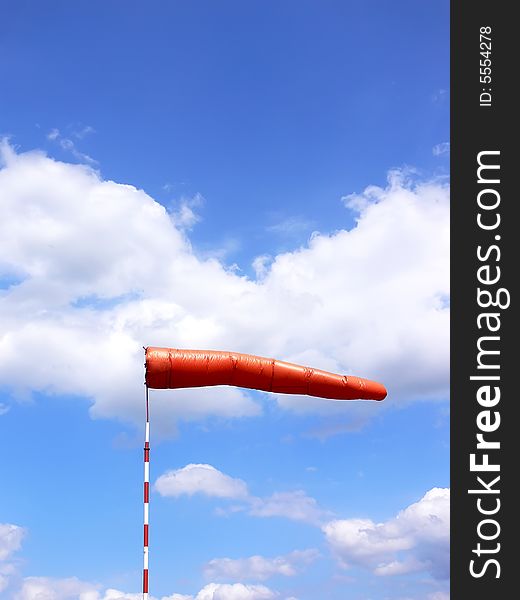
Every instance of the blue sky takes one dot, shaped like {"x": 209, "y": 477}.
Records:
{"x": 265, "y": 177}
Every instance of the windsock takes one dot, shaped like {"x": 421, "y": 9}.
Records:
{"x": 171, "y": 368}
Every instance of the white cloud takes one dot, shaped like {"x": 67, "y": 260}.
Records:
{"x": 11, "y": 537}
{"x": 235, "y": 591}
{"x": 202, "y": 479}
{"x": 72, "y": 588}
{"x": 53, "y": 134}
{"x": 113, "y": 594}
{"x": 261, "y": 265}
{"x": 83, "y": 131}
{"x": 102, "y": 270}
{"x": 443, "y": 148}
{"x": 295, "y": 505}
{"x": 206, "y": 479}
{"x": 46, "y": 588}
{"x": 7, "y": 570}
{"x": 184, "y": 215}
{"x": 67, "y": 144}
{"x": 417, "y": 539}
{"x": 259, "y": 568}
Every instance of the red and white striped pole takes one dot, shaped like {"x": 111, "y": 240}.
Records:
{"x": 146, "y": 497}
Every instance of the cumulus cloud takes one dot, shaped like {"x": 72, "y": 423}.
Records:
{"x": 99, "y": 269}
{"x": 11, "y": 537}
{"x": 202, "y": 479}
{"x": 209, "y": 481}
{"x": 417, "y": 539}
{"x": 46, "y": 588}
{"x": 259, "y": 568}
{"x": 72, "y": 588}
{"x": 261, "y": 265}
{"x": 235, "y": 591}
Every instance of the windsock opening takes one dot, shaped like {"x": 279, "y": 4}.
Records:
{"x": 172, "y": 368}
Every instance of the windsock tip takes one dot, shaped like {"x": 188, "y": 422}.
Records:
{"x": 374, "y": 391}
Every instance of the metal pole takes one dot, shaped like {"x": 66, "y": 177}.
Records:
{"x": 146, "y": 497}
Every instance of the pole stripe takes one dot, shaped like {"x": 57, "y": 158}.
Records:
{"x": 146, "y": 498}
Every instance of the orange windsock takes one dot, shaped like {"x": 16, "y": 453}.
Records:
{"x": 176, "y": 368}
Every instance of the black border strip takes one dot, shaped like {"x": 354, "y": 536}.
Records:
{"x": 476, "y": 128}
